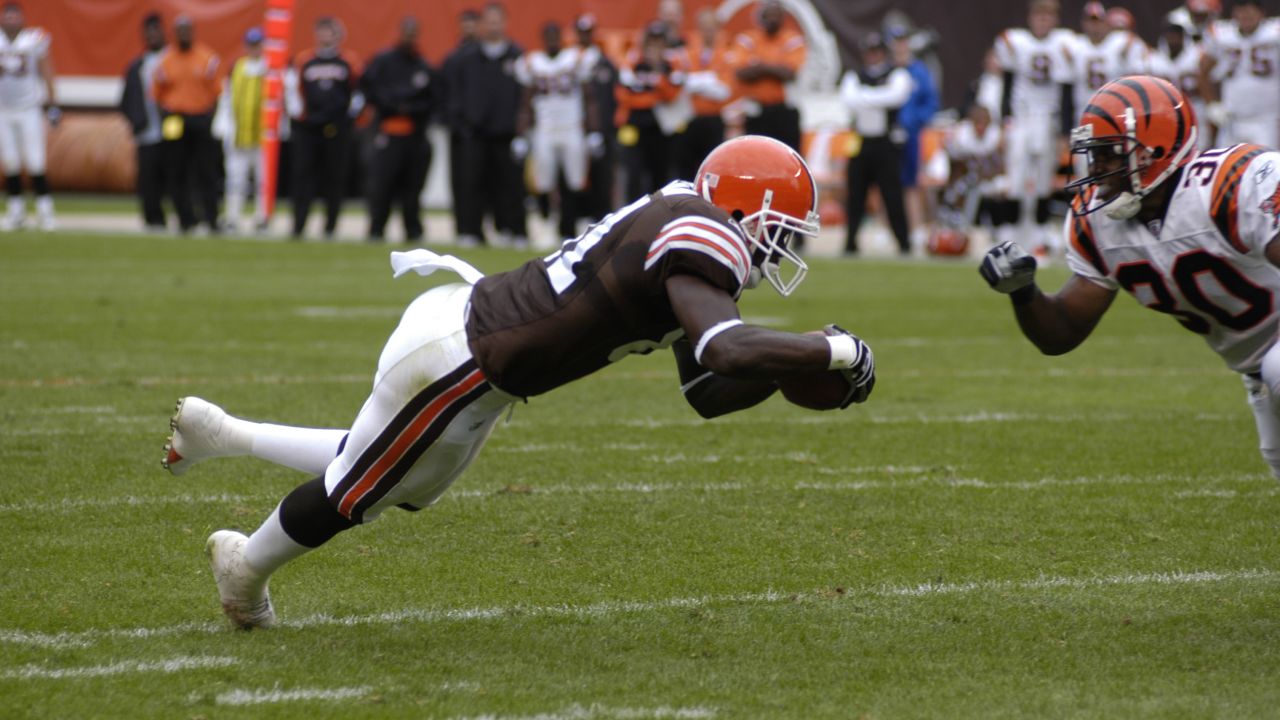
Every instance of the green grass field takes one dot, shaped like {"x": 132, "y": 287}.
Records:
{"x": 995, "y": 534}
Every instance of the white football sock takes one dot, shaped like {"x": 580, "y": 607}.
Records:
{"x": 307, "y": 449}
{"x": 270, "y": 547}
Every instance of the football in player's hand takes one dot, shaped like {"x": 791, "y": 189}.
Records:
{"x": 824, "y": 390}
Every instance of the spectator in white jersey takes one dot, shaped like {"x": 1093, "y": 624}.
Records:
{"x": 26, "y": 102}
{"x": 1177, "y": 60}
{"x": 1238, "y": 76}
{"x": 1037, "y": 102}
{"x": 555, "y": 126}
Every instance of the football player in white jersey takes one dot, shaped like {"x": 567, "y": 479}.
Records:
{"x": 553, "y": 124}
{"x": 26, "y": 100}
{"x": 1238, "y": 76}
{"x": 1036, "y": 61}
{"x": 1189, "y": 235}
{"x": 1177, "y": 60}
{"x": 1102, "y": 54}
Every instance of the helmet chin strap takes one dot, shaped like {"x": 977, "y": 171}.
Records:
{"x": 1124, "y": 207}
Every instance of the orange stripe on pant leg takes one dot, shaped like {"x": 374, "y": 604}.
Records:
{"x": 405, "y": 440}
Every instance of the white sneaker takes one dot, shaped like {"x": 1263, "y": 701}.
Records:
{"x": 201, "y": 430}
{"x": 48, "y": 224}
{"x": 244, "y": 595}
{"x": 9, "y": 223}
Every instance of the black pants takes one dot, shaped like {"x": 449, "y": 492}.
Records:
{"x": 397, "y": 172}
{"x": 597, "y": 200}
{"x": 780, "y": 122}
{"x": 647, "y": 162}
{"x": 151, "y": 172}
{"x": 880, "y": 162}
{"x": 192, "y": 163}
{"x": 490, "y": 177}
{"x": 319, "y": 156}
{"x": 703, "y": 135}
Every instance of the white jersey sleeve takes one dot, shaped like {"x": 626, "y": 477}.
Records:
{"x": 1256, "y": 204}
{"x": 1083, "y": 257}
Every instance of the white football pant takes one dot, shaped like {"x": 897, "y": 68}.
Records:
{"x": 22, "y": 141}
{"x": 430, "y": 412}
{"x": 1264, "y": 399}
{"x": 238, "y": 163}
{"x": 559, "y": 149}
{"x": 1031, "y": 155}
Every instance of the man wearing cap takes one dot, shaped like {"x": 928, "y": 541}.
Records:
{"x": 138, "y": 104}
{"x": 913, "y": 118}
{"x": 766, "y": 59}
{"x": 239, "y": 123}
{"x": 649, "y": 81}
{"x": 1195, "y": 16}
{"x": 1177, "y": 59}
{"x": 186, "y": 87}
{"x": 322, "y": 101}
{"x": 874, "y": 95}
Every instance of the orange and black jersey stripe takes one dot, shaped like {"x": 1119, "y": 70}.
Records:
{"x": 1081, "y": 232}
{"x": 1224, "y": 203}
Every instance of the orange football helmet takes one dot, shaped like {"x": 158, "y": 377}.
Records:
{"x": 766, "y": 188}
{"x": 1145, "y": 121}
{"x": 948, "y": 242}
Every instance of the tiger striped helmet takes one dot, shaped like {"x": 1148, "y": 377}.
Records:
{"x": 1145, "y": 120}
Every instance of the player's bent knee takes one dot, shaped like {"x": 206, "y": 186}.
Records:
{"x": 310, "y": 517}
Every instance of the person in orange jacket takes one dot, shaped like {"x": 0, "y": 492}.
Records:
{"x": 650, "y": 81}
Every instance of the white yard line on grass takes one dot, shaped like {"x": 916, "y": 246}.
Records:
{"x": 172, "y": 665}
{"x": 608, "y": 608}
{"x": 596, "y": 711}
{"x": 276, "y": 695}
{"x": 899, "y": 477}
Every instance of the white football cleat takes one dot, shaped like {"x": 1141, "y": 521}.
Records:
{"x": 245, "y": 599}
{"x": 201, "y": 430}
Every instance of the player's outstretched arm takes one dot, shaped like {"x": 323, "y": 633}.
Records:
{"x": 725, "y": 346}
{"x": 713, "y": 395}
{"x": 1056, "y": 324}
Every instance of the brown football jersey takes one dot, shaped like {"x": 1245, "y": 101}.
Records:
{"x": 602, "y": 296}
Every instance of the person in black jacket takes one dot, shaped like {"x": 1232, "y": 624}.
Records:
{"x": 139, "y": 107}
{"x": 323, "y": 83}
{"x": 468, "y": 21}
{"x": 399, "y": 85}
{"x": 486, "y": 101}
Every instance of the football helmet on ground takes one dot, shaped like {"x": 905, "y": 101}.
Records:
{"x": 1139, "y": 130}
{"x": 768, "y": 190}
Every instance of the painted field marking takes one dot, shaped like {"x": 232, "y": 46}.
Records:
{"x": 172, "y": 665}
{"x": 608, "y": 608}
{"x": 899, "y": 477}
{"x": 597, "y": 711}
{"x": 276, "y": 695}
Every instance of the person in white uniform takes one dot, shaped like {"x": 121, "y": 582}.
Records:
{"x": 1238, "y": 76}
{"x": 1186, "y": 234}
{"x": 26, "y": 102}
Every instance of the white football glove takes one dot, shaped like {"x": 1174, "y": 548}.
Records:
{"x": 1008, "y": 268}
{"x": 519, "y": 148}
{"x": 862, "y": 373}
{"x": 595, "y": 144}
{"x": 1217, "y": 114}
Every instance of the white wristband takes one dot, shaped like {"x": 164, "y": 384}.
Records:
{"x": 844, "y": 352}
